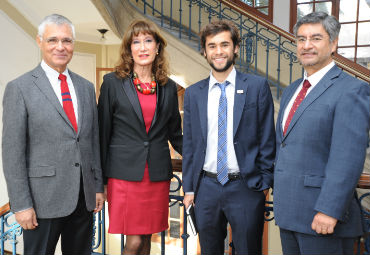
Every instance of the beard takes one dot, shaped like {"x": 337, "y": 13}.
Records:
{"x": 230, "y": 62}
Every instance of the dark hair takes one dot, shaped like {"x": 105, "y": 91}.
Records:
{"x": 330, "y": 23}
{"x": 216, "y": 27}
{"x": 125, "y": 64}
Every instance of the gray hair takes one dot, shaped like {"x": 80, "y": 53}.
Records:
{"x": 57, "y": 20}
{"x": 330, "y": 23}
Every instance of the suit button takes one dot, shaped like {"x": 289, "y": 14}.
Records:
{"x": 282, "y": 145}
{"x": 77, "y": 164}
{"x": 146, "y": 144}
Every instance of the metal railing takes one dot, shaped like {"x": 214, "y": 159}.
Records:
{"x": 265, "y": 49}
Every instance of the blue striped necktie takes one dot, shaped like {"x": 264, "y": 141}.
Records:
{"x": 222, "y": 170}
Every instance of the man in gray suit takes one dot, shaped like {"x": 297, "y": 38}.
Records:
{"x": 50, "y": 148}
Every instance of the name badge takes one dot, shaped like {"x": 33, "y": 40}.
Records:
{"x": 239, "y": 91}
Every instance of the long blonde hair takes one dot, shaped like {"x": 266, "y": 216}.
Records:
{"x": 125, "y": 64}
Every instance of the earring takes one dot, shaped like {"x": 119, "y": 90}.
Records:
{"x": 157, "y": 52}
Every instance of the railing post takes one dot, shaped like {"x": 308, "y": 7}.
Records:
{"x": 180, "y": 18}
{"x": 185, "y": 234}
{"x": 163, "y": 243}
{"x": 2, "y": 241}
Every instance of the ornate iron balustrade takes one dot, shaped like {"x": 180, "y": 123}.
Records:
{"x": 263, "y": 50}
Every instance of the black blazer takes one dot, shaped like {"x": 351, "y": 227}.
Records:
{"x": 125, "y": 146}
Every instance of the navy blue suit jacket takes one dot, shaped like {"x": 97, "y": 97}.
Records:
{"x": 321, "y": 157}
{"x": 253, "y": 129}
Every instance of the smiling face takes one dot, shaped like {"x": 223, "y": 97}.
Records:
{"x": 314, "y": 49}
{"x": 56, "y": 46}
{"x": 220, "y": 52}
{"x": 144, "y": 48}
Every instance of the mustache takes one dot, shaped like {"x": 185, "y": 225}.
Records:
{"x": 308, "y": 52}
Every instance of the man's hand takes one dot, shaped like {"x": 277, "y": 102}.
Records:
{"x": 323, "y": 224}
{"x": 266, "y": 191}
{"x": 99, "y": 202}
{"x": 27, "y": 218}
{"x": 188, "y": 199}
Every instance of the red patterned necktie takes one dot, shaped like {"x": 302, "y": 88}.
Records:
{"x": 67, "y": 101}
{"x": 297, "y": 102}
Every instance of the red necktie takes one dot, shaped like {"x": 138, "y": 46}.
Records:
{"x": 67, "y": 101}
{"x": 297, "y": 102}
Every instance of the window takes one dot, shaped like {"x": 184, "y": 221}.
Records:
{"x": 354, "y": 38}
{"x": 263, "y": 7}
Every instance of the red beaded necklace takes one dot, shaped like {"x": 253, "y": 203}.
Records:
{"x": 145, "y": 91}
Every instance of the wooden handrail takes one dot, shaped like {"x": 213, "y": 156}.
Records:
{"x": 364, "y": 182}
{"x": 344, "y": 63}
{"x": 4, "y": 209}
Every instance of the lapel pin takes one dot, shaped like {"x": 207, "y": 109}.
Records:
{"x": 239, "y": 91}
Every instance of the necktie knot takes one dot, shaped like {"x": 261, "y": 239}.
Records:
{"x": 223, "y": 85}
{"x": 306, "y": 84}
{"x": 62, "y": 77}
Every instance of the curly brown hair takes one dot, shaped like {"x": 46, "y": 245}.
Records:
{"x": 126, "y": 64}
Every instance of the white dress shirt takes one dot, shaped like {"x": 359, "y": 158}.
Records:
{"x": 313, "y": 79}
{"x": 214, "y": 93}
{"x": 55, "y": 84}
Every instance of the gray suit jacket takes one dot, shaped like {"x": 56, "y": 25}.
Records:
{"x": 43, "y": 157}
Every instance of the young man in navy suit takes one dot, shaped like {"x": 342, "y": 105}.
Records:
{"x": 228, "y": 147}
{"x": 322, "y": 133}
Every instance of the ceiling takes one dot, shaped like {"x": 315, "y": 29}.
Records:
{"x": 82, "y": 13}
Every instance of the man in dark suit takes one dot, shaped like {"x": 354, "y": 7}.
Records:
{"x": 50, "y": 148}
{"x": 322, "y": 133}
{"x": 228, "y": 147}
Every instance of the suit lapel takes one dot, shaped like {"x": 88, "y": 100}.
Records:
{"x": 129, "y": 89}
{"x": 283, "y": 104}
{"x": 203, "y": 106}
{"x": 77, "y": 84}
{"x": 160, "y": 101}
{"x": 320, "y": 88}
{"x": 43, "y": 83}
{"x": 239, "y": 99}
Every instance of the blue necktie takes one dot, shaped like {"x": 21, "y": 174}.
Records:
{"x": 222, "y": 170}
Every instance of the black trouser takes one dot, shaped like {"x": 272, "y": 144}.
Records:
{"x": 75, "y": 230}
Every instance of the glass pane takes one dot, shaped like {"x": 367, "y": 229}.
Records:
{"x": 303, "y": 9}
{"x": 248, "y": 2}
{"x": 364, "y": 10}
{"x": 363, "y": 56}
{"x": 363, "y": 33}
{"x": 264, "y": 10}
{"x": 347, "y": 10}
{"x": 347, "y": 35}
{"x": 323, "y": 7}
{"x": 261, "y": 3}
{"x": 347, "y": 53}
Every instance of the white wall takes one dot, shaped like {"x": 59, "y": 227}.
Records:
{"x": 19, "y": 54}
{"x": 281, "y": 14}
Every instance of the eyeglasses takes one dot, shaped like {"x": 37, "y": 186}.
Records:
{"x": 313, "y": 39}
{"x": 53, "y": 41}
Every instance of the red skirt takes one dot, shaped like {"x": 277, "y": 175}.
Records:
{"x": 137, "y": 208}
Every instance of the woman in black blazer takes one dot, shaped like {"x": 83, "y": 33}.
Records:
{"x": 138, "y": 115}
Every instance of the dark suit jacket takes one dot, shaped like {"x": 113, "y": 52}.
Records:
{"x": 124, "y": 143}
{"x": 253, "y": 125}
{"x": 43, "y": 157}
{"x": 321, "y": 157}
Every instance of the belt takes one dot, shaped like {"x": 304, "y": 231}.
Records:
{"x": 232, "y": 176}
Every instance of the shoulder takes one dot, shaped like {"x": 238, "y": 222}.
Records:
{"x": 251, "y": 79}
{"x": 196, "y": 86}
{"x": 24, "y": 79}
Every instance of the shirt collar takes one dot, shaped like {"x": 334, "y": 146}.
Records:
{"x": 50, "y": 72}
{"x": 316, "y": 77}
{"x": 230, "y": 78}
